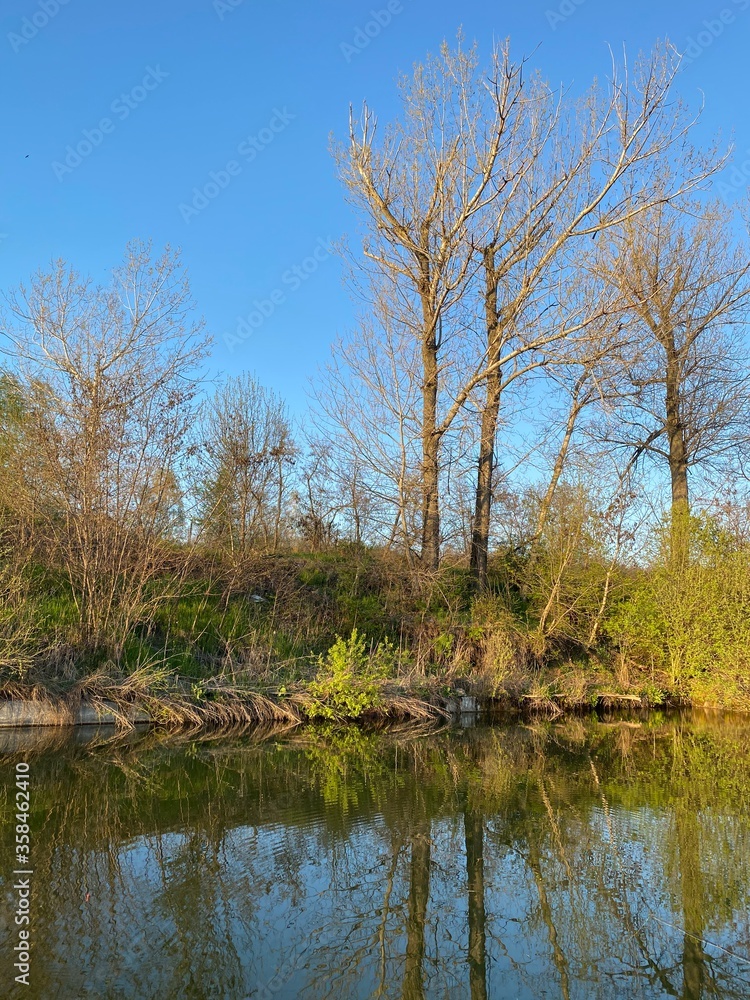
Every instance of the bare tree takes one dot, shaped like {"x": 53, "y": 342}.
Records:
{"x": 418, "y": 189}
{"x": 576, "y": 381}
{"x": 317, "y": 498}
{"x": 243, "y": 458}
{"x": 108, "y": 376}
{"x": 15, "y": 459}
{"x": 578, "y": 172}
{"x": 683, "y": 393}
{"x": 368, "y": 399}
{"x": 485, "y": 190}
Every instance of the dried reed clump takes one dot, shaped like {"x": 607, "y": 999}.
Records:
{"x": 404, "y": 707}
{"x": 172, "y": 704}
{"x": 153, "y": 695}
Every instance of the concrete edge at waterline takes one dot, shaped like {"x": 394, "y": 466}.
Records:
{"x": 16, "y": 713}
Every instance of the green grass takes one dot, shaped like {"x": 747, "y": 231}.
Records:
{"x": 664, "y": 636}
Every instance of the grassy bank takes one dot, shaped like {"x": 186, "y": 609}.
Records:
{"x": 352, "y": 633}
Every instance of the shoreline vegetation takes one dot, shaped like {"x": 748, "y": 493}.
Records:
{"x": 350, "y": 634}
{"x": 522, "y": 476}
{"x": 229, "y": 710}
{"x": 223, "y": 708}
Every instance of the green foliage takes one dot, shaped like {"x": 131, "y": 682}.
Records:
{"x": 314, "y": 577}
{"x": 443, "y": 644}
{"x": 570, "y": 575}
{"x": 689, "y": 615}
{"x": 653, "y": 693}
{"x": 679, "y": 628}
{"x": 350, "y": 677}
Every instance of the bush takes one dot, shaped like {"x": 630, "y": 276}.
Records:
{"x": 350, "y": 677}
{"x": 689, "y": 614}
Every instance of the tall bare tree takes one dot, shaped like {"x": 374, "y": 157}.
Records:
{"x": 580, "y": 171}
{"x": 418, "y": 189}
{"x": 486, "y": 188}
{"x": 108, "y": 376}
{"x": 683, "y": 395}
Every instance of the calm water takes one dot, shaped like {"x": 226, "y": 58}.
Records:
{"x": 576, "y": 860}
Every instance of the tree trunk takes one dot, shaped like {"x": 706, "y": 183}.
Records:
{"x": 678, "y": 464}
{"x": 480, "y": 536}
{"x": 419, "y": 891}
{"x": 430, "y": 484}
{"x": 430, "y": 435}
{"x": 474, "y": 837}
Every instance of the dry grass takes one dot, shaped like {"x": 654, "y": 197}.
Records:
{"x": 178, "y": 706}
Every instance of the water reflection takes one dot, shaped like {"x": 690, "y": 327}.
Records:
{"x": 578, "y": 860}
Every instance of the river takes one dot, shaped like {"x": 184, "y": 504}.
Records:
{"x": 578, "y": 859}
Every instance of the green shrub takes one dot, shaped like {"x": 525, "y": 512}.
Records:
{"x": 350, "y": 677}
{"x": 689, "y": 614}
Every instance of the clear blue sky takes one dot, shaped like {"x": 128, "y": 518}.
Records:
{"x": 187, "y": 86}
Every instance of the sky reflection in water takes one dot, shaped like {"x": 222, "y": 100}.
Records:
{"x": 577, "y": 860}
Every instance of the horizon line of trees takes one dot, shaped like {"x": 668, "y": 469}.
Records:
{"x": 554, "y": 322}
{"x": 518, "y": 242}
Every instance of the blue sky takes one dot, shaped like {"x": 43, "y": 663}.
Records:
{"x": 168, "y": 96}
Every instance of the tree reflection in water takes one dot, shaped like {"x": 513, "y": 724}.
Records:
{"x": 577, "y": 860}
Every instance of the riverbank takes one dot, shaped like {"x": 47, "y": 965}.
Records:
{"x": 352, "y": 633}
{"x": 218, "y": 706}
